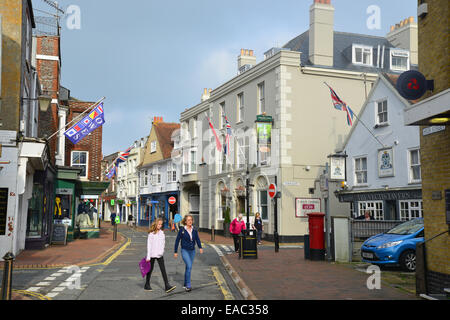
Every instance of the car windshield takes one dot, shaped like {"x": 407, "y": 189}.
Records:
{"x": 408, "y": 227}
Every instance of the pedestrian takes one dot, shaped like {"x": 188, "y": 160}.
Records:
{"x": 258, "y": 225}
{"x": 236, "y": 226}
{"x": 130, "y": 220}
{"x": 188, "y": 236}
{"x": 155, "y": 251}
{"x": 113, "y": 218}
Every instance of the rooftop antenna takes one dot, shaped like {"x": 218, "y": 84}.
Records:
{"x": 57, "y": 16}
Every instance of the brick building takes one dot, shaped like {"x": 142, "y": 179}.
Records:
{"x": 432, "y": 113}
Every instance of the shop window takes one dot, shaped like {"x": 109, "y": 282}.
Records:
{"x": 35, "y": 212}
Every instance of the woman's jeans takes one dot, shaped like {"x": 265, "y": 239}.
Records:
{"x": 188, "y": 258}
{"x": 259, "y": 234}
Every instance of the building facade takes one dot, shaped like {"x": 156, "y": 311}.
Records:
{"x": 159, "y": 174}
{"x": 432, "y": 114}
{"x": 284, "y": 125}
{"x": 109, "y": 197}
{"x": 383, "y": 158}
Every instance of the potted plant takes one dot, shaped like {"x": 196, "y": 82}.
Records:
{"x": 226, "y": 222}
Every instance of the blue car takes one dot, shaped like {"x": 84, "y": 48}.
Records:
{"x": 395, "y": 247}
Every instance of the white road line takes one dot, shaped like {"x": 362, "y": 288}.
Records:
{"x": 43, "y": 284}
{"x": 59, "y": 289}
{"x": 34, "y": 289}
{"x": 52, "y": 294}
{"x": 49, "y": 278}
{"x": 217, "y": 250}
{"x": 227, "y": 249}
{"x": 57, "y": 274}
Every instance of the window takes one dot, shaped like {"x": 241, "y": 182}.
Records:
{"x": 193, "y": 161}
{"x": 399, "y": 60}
{"x": 415, "y": 174}
{"x": 79, "y": 159}
{"x": 189, "y": 161}
{"x": 361, "y": 171}
{"x": 222, "y": 116}
{"x": 262, "y": 204}
{"x": 382, "y": 114}
{"x": 156, "y": 176}
{"x": 410, "y": 209}
{"x": 144, "y": 178}
{"x": 374, "y": 207}
{"x": 194, "y": 128}
{"x": 362, "y": 55}
{"x": 240, "y": 110}
{"x": 171, "y": 172}
{"x": 261, "y": 99}
{"x": 152, "y": 146}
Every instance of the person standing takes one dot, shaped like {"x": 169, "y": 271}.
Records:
{"x": 258, "y": 225}
{"x": 188, "y": 236}
{"x": 236, "y": 226}
{"x": 155, "y": 250}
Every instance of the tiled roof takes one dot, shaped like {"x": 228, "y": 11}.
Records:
{"x": 164, "y": 132}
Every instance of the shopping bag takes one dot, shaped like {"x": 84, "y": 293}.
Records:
{"x": 145, "y": 267}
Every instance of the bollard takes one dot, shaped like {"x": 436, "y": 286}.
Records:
{"x": 213, "y": 235}
{"x": 7, "y": 276}
{"x": 115, "y": 232}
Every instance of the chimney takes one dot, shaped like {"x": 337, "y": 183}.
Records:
{"x": 157, "y": 119}
{"x": 321, "y": 33}
{"x": 246, "y": 60}
{"x": 206, "y": 94}
{"x": 404, "y": 35}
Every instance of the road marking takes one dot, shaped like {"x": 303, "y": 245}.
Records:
{"x": 49, "y": 278}
{"x": 43, "y": 284}
{"x": 217, "y": 250}
{"x": 227, "y": 249}
{"x": 33, "y": 294}
{"x": 222, "y": 284}
{"x": 33, "y": 289}
{"x": 52, "y": 294}
{"x": 59, "y": 289}
{"x": 57, "y": 274}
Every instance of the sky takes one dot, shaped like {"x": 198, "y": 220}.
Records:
{"x": 153, "y": 58}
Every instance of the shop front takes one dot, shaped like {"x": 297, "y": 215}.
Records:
{"x": 87, "y": 202}
{"x": 157, "y": 205}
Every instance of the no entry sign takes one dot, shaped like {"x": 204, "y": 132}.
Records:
{"x": 272, "y": 190}
{"x": 172, "y": 200}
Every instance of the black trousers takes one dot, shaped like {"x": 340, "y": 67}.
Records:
{"x": 236, "y": 242}
{"x": 161, "y": 267}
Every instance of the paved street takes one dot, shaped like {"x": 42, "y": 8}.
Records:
{"x": 119, "y": 277}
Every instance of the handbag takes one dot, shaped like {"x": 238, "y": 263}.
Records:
{"x": 145, "y": 267}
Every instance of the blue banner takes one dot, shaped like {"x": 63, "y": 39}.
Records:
{"x": 94, "y": 120}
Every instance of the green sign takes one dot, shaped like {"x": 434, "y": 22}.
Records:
{"x": 264, "y": 133}
{"x": 112, "y": 202}
{"x": 117, "y": 220}
{"x": 263, "y": 118}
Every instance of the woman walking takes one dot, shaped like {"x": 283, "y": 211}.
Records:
{"x": 155, "y": 250}
{"x": 258, "y": 225}
{"x": 188, "y": 237}
{"x": 235, "y": 228}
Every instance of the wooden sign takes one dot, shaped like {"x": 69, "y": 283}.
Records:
{"x": 59, "y": 234}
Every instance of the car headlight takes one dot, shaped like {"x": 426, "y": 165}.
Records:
{"x": 390, "y": 244}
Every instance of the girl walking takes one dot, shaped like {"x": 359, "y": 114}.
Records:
{"x": 155, "y": 250}
{"x": 188, "y": 237}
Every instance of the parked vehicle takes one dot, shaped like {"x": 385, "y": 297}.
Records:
{"x": 396, "y": 246}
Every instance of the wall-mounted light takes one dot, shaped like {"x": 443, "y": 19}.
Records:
{"x": 44, "y": 102}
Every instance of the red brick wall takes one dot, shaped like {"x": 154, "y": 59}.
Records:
{"x": 92, "y": 143}
{"x": 49, "y": 77}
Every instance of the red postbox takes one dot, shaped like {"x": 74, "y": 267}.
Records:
{"x": 316, "y": 236}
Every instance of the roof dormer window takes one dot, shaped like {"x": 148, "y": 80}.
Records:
{"x": 362, "y": 55}
{"x": 399, "y": 60}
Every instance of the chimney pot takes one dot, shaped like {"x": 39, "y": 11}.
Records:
{"x": 246, "y": 52}
{"x": 242, "y": 52}
{"x": 392, "y": 28}
{"x": 251, "y": 53}
{"x": 411, "y": 19}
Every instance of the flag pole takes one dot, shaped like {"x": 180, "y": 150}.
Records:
{"x": 359, "y": 120}
{"x": 77, "y": 118}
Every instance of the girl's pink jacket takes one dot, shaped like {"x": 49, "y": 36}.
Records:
{"x": 155, "y": 245}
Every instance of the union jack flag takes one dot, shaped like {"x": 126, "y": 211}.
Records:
{"x": 341, "y": 105}
{"x": 110, "y": 174}
{"x": 123, "y": 156}
{"x": 226, "y": 146}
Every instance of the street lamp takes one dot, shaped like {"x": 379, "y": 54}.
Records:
{"x": 44, "y": 102}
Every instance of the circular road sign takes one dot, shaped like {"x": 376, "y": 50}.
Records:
{"x": 411, "y": 85}
{"x": 172, "y": 200}
{"x": 272, "y": 190}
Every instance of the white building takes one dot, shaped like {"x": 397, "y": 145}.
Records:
{"x": 383, "y": 164}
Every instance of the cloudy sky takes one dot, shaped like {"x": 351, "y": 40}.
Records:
{"x": 153, "y": 58}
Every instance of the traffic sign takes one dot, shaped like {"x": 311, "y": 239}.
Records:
{"x": 172, "y": 200}
{"x": 412, "y": 85}
{"x": 272, "y": 190}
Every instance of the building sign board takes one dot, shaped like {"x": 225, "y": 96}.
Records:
{"x": 303, "y": 206}
{"x": 385, "y": 163}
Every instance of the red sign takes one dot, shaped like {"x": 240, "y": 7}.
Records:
{"x": 272, "y": 190}
{"x": 172, "y": 200}
{"x": 308, "y": 207}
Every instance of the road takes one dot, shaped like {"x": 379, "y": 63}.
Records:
{"x": 119, "y": 277}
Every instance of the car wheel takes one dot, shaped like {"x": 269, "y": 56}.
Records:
{"x": 408, "y": 260}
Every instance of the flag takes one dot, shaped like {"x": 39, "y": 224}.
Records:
{"x": 81, "y": 129}
{"x": 226, "y": 147}
{"x": 123, "y": 156}
{"x": 341, "y": 105}
{"x": 218, "y": 144}
{"x": 111, "y": 172}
